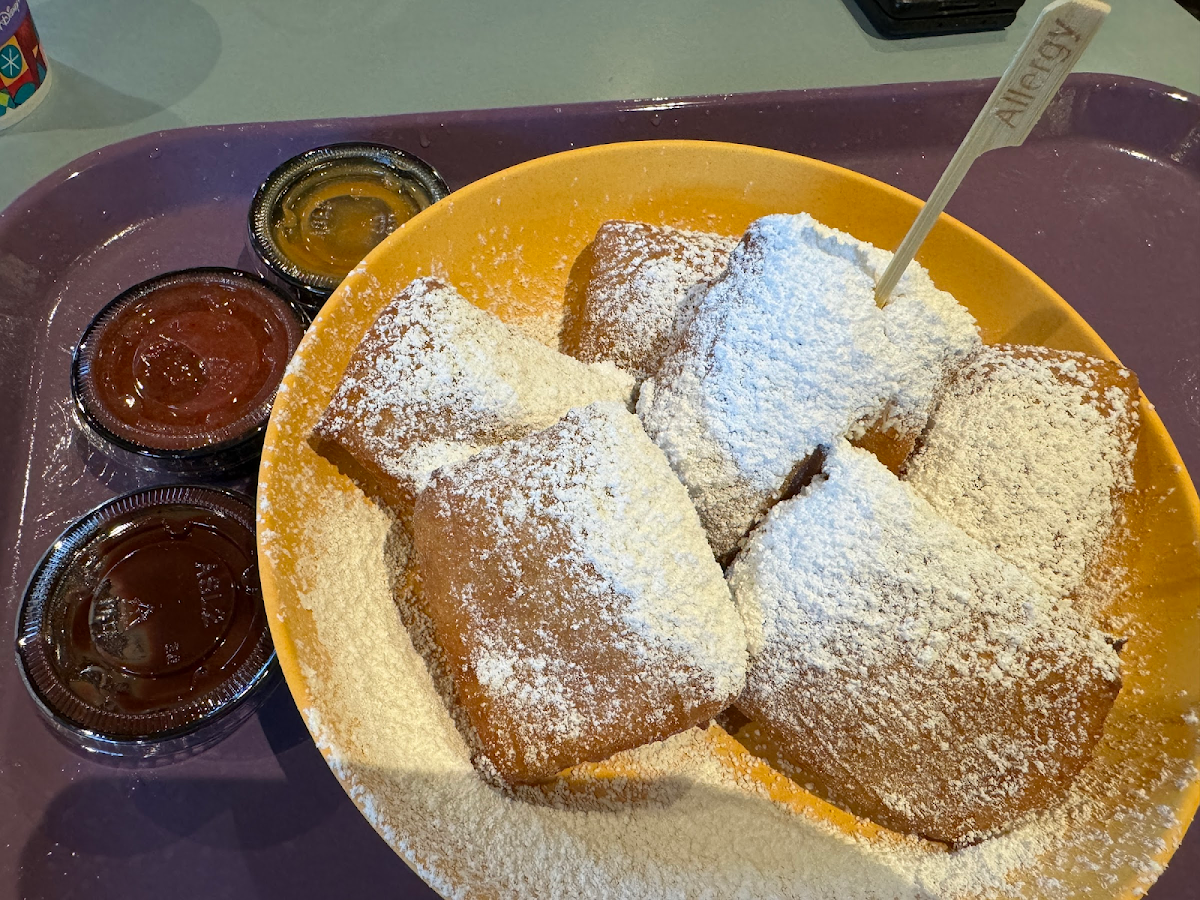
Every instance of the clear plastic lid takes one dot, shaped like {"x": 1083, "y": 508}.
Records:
{"x": 142, "y": 628}
{"x": 179, "y": 372}
{"x": 318, "y": 214}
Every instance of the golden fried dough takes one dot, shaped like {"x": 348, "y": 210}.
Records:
{"x": 907, "y": 670}
{"x": 434, "y": 379}
{"x": 573, "y": 595}
{"x": 627, "y": 286}
{"x": 1030, "y": 451}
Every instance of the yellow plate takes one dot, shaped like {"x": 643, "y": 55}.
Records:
{"x": 507, "y": 242}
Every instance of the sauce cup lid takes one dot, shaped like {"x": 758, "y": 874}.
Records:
{"x": 180, "y": 371}
{"x": 368, "y": 161}
{"x": 142, "y": 631}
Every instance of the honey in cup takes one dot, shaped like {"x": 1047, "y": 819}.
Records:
{"x": 326, "y": 224}
{"x": 318, "y": 214}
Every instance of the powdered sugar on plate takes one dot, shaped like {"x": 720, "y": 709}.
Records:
{"x": 691, "y": 817}
{"x": 707, "y": 825}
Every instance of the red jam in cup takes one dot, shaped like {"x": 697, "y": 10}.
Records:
{"x": 183, "y": 368}
{"x": 144, "y": 622}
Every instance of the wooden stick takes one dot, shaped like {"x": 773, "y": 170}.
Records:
{"x": 1049, "y": 53}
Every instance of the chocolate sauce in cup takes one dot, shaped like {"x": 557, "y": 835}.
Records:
{"x": 142, "y": 629}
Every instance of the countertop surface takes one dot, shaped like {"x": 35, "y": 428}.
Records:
{"x": 137, "y": 66}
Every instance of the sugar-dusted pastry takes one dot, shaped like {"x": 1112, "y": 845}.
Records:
{"x": 1031, "y": 452}
{"x": 626, "y": 287}
{"x": 933, "y": 335}
{"x": 434, "y": 379}
{"x": 914, "y": 675}
{"x": 787, "y": 351}
{"x": 573, "y": 595}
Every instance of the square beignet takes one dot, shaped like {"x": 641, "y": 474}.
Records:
{"x": 626, "y": 287}
{"x": 918, "y": 678}
{"x": 1031, "y": 452}
{"x": 434, "y": 379}
{"x": 787, "y": 351}
{"x": 573, "y": 595}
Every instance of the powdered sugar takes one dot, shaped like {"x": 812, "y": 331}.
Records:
{"x": 567, "y": 576}
{"x": 707, "y": 828}
{"x": 436, "y": 368}
{"x": 785, "y": 352}
{"x": 420, "y": 461}
{"x": 639, "y": 276}
{"x": 680, "y": 819}
{"x": 888, "y": 644}
{"x": 537, "y": 687}
{"x": 1031, "y": 451}
{"x": 688, "y": 821}
{"x": 933, "y": 335}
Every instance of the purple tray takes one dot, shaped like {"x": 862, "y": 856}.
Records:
{"x": 1103, "y": 202}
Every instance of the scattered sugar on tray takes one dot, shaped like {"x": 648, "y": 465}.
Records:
{"x": 785, "y": 352}
{"x": 519, "y": 298}
{"x": 1022, "y": 454}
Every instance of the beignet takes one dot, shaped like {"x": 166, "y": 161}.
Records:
{"x": 907, "y": 670}
{"x": 787, "y": 351}
{"x": 1030, "y": 451}
{"x": 434, "y": 379}
{"x": 627, "y": 286}
{"x": 573, "y": 595}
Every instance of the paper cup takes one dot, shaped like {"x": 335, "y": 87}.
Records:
{"x": 24, "y": 71}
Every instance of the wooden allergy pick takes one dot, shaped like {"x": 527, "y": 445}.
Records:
{"x": 1047, "y": 56}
